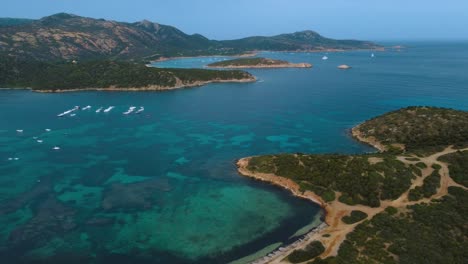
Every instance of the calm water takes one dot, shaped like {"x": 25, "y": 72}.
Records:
{"x": 162, "y": 187}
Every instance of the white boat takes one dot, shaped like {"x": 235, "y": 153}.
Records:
{"x": 140, "y": 110}
{"x": 10, "y": 158}
{"x": 47, "y": 129}
{"x": 372, "y": 55}
{"x": 73, "y": 115}
{"x": 324, "y": 58}
{"x": 108, "y": 109}
{"x": 16, "y": 158}
{"x": 19, "y": 130}
{"x": 86, "y": 107}
{"x": 130, "y": 110}
{"x": 69, "y": 111}
{"x": 39, "y": 141}
{"x": 56, "y": 148}
{"x": 99, "y": 110}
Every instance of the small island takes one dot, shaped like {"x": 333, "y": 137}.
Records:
{"x": 386, "y": 207}
{"x": 107, "y": 75}
{"x": 245, "y": 63}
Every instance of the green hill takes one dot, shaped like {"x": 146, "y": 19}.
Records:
{"x": 414, "y": 128}
{"x": 105, "y": 74}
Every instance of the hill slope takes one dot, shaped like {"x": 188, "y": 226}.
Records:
{"x": 386, "y": 207}
{"x": 415, "y": 128}
{"x": 66, "y": 36}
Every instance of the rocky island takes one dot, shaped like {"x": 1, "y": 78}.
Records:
{"x": 245, "y": 63}
{"x": 387, "y": 207}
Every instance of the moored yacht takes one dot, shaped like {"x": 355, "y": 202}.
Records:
{"x": 108, "y": 109}
{"x": 68, "y": 111}
{"x": 140, "y": 110}
{"x": 130, "y": 110}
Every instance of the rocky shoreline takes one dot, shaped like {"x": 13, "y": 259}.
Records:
{"x": 178, "y": 85}
{"x": 264, "y": 66}
{"x": 294, "y": 188}
{"x": 357, "y": 134}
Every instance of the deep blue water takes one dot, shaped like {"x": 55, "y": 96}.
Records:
{"x": 162, "y": 187}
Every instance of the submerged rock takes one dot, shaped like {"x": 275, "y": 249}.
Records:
{"x": 51, "y": 219}
{"x": 133, "y": 196}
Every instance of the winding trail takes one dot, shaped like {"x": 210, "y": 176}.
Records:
{"x": 335, "y": 210}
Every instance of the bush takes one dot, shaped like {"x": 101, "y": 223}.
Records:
{"x": 354, "y": 217}
{"x": 312, "y": 250}
{"x": 391, "y": 210}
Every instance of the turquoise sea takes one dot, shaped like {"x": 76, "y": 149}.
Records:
{"x": 162, "y": 186}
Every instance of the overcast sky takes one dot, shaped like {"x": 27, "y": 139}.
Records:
{"x": 228, "y": 19}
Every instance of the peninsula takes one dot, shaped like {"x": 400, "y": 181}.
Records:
{"x": 106, "y": 76}
{"x": 245, "y": 63}
{"x": 387, "y": 207}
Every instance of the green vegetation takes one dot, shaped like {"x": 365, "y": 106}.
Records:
{"x": 312, "y": 250}
{"x": 359, "y": 181}
{"x": 101, "y": 74}
{"x": 458, "y": 166}
{"x": 421, "y": 165}
{"x": 419, "y": 128}
{"x": 355, "y": 217}
{"x": 248, "y": 62}
{"x": 428, "y": 233}
{"x": 391, "y": 210}
{"x": 430, "y": 185}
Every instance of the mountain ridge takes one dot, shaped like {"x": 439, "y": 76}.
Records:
{"x": 66, "y": 36}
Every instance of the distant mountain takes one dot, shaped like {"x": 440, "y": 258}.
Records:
{"x": 299, "y": 41}
{"x": 14, "y": 21}
{"x": 65, "y": 36}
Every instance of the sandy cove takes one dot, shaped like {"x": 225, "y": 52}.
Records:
{"x": 179, "y": 84}
{"x": 335, "y": 210}
{"x": 263, "y": 66}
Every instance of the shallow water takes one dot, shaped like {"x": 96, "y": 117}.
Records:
{"x": 162, "y": 187}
